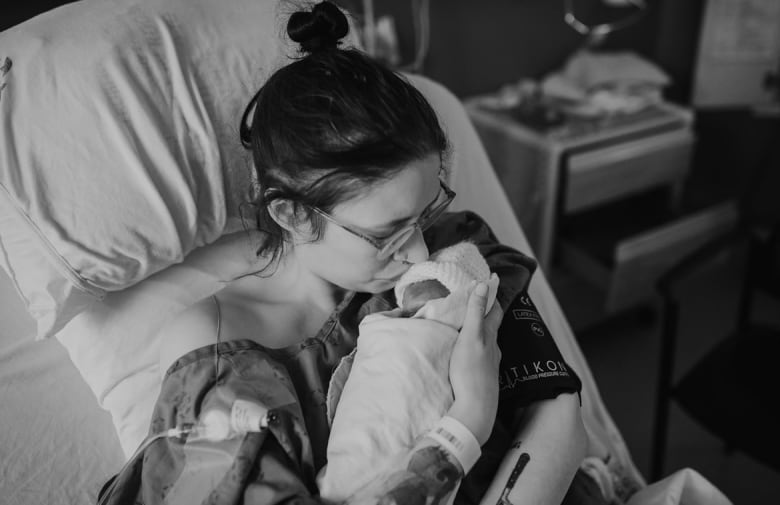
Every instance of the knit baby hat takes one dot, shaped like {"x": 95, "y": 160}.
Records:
{"x": 455, "y": 267}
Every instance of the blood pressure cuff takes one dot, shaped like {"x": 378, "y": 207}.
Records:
{"x": 531, "y": 367}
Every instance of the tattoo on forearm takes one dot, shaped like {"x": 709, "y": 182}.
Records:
{"x": 510, "y": 483}
{"x": 429, "y": 478}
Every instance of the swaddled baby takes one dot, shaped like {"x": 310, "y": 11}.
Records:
{"x": 395, "y": 386}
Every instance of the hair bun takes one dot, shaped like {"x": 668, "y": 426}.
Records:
{"x": 322, "y": 28}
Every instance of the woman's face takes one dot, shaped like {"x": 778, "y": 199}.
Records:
{"x": 350, "y": 262}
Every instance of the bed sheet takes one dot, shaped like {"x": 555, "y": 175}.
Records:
{"x": 57, "y": 445}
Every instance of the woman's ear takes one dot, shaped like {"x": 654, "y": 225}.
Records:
{"x": 283, "y": 212}
{"x": 291, "y": 218}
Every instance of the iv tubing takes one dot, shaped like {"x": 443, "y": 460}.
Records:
{"x": 173, "y": 432}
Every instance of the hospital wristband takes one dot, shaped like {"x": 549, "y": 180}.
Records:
{"x": 458, "y": 440}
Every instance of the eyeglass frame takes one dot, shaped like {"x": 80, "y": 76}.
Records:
{"x": 422, "y": 223}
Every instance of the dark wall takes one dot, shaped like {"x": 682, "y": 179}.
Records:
{"x": 12, "y": 13}
{"x": 478, "y": 46}
{"x": 676, "y": 42}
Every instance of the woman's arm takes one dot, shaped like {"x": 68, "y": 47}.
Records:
{"x": 550, "y": 441}
{"x": 148, "y": 305}
{"x": 547, "y": 450}
{"x": 540, "y": 390}
{"x": 204, "y": 271}
{"x": 430, "y": 475}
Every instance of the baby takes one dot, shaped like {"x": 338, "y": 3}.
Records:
{"x": 395, "y": 387}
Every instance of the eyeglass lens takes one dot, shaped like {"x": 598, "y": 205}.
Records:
{"x": 423, "y": 223}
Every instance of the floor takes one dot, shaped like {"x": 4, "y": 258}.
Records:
{"x": 623, "y": 355}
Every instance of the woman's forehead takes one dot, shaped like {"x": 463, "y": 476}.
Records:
{"x": 402, "y": 197}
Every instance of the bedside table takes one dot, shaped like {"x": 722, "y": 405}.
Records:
{"x": 573, "y": 187}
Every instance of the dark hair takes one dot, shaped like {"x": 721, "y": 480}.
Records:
{"x": 330, "y": 124}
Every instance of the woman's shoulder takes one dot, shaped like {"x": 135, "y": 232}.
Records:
{"x": 194, "y": 327}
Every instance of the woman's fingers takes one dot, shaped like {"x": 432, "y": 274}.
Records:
{"x": 475, "y": 311}
{"x": 474, "y": 367}
{"x": 493, "y": 320}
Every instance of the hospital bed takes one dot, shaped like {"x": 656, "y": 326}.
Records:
{"x": 99, "y": 89}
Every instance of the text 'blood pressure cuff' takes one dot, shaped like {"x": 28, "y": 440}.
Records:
{"x": 531, "y": 367}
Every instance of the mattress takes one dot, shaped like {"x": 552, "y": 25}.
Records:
{"x": 57, "y": 446}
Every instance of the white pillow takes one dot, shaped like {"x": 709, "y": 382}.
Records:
{"x": 119, "y": 149}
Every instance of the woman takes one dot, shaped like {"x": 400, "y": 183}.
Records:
{"x": 349, "y": 158}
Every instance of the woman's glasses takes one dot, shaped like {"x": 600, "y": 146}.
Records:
{"x": 388, "y": 246}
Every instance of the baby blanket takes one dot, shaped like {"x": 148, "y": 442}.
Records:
{"x": 398, "y": 389}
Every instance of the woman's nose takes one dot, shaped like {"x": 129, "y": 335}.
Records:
{"x": 414, "y": 250}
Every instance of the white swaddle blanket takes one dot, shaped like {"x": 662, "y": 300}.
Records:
{"x": 397, "y": 389}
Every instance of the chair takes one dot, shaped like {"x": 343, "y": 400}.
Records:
{"x": 730, "y": 390}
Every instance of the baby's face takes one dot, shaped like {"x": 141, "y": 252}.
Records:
{"x": 418, "y": 293}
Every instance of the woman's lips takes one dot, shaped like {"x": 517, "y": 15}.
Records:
{"x": 393, "y": 278}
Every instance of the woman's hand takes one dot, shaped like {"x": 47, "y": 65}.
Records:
{"x": 229, "y": 257}
{"x": 474, "y": 366}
